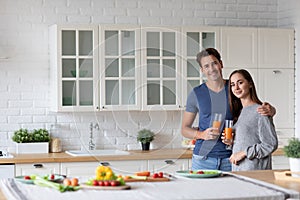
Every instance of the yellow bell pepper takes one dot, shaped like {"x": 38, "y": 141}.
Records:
{"x": 104, "y": 173}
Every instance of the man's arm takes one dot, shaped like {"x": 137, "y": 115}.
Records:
{"x": 191, "y": 133}
{"x": 266, "y": 109}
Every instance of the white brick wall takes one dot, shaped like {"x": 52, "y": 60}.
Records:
{"x": 24, "y": 76}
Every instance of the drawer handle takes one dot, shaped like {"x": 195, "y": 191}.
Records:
{"x": 170, "y": 162}
{"x": 38, "y": 165}
{"x": 105, "y": 163}
{"x": 276, "y": 71}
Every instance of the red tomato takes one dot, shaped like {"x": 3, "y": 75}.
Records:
{"x": 95, "y": 183}
{"x": 114, "y": 183}
{"x": 101, "y": 183}
{"x": 160, "y": 174}
{"x": 52, "y": 176}
{"x": 106, "y": 183}
{"x": 200, "y": 172}
{"x": 27, "y": 177}
{"x": 155, "y": 175}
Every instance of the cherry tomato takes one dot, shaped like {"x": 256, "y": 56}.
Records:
{"x": 200, "y": 172}
{"x": 106, "y": 183}
{"x": 52, "y": 176}
{"x": 155, "y": 175}
{"x": 114, "y": 183}
{"x": 101, "y": 183}
{"x": 95, "y": 183}
{"x": 27, "y": 177}
{"x": 160, "y": 174}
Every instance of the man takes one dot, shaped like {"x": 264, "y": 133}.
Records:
{"x": 209, "y": 98}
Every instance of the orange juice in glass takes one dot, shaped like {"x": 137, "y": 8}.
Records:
{"x": 228, "y": 129}
{"x": 217, "y": 123}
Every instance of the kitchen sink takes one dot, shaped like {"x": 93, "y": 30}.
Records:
{"x": 103, "y": 152}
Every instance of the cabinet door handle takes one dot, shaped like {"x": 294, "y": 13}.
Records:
{"x": 38, "y": 165}
{"x": 105, "y": 163}
{"x": 170, "y": 162}
{"x": 276, "y": 71}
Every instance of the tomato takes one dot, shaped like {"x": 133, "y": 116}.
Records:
{"x": 52, "y": 176}
{"x": 27, "y": 177}
{"x": 155, "y": 175}
{"x": 193, "y": 142}
{"x": 101, "y": 183}
{"x": 95, "y": 183}
{"x": 160, "y": 174}
{"x": 106, "y": 183}
{"x": 200, "y": 172}
{"x": 114, "y": 183}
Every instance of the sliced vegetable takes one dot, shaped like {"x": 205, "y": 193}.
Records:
{"x": 144, "y": 173}
{"x": 40, "y": 181}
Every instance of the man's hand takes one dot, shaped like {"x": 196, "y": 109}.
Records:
{"x": 266, "y": 109}
{"x": 210, "y": 134}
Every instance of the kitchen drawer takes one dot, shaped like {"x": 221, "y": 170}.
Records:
{"x": 280, "y": 162}
{"x": 37, "y": 168}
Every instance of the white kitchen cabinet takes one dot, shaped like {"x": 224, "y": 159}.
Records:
{"x": 276, "y": 86}
{"x": 85, "y": 170}
{"x": 160, "y": 67}
{"x": 37, "y": 168}
{"x": 195, "y": 39}
{"x": 119, "y": 73}
{"x": 276, "y": 48}
{"x": 82, "y": 170}
{"x": 280, "y": 162}
{"x": 74, "y": 65}
{"x": 268, "y": 54}
{"x": 239, "y": 47}
{"x": 168, "y": 165}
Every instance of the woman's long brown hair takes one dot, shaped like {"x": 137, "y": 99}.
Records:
{"x": 235, "y": 103}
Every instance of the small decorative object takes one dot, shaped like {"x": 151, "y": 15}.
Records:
{"x": 145, "y": 136}
{"x": 292, "y": 150}
{"x": 31, "y": 142}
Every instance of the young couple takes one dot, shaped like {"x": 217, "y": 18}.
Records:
{"x": 254, "y": 133}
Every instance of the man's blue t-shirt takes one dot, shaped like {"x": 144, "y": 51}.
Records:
{"x": 206, "y": 102}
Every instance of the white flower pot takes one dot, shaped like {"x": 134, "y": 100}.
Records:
{"x": 295, "y": 166}
{"x": 37, "y": 147}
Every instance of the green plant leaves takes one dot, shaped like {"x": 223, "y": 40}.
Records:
{"x": 292, "y": 150}
{"x": 24, "y": 136}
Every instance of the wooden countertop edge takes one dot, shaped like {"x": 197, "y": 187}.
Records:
{"x": 134, "y": 155}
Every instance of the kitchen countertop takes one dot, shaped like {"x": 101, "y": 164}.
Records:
{"x": 134, "y": 155}
{"x": 236, "y": 185}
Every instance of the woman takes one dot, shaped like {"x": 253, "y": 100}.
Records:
{"x": 255, "y": 136}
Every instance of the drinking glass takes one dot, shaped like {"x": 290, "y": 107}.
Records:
{"x": 217, "y": 123}
{"x": 228, "y": 132}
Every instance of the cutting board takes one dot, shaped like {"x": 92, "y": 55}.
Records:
{"x": 121, "y": 187}
{"x": 147, "y": 179}
{"x": 286, "y": 176}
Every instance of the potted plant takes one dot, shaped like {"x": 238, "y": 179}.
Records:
{"x": 292, "y": 151}
{"x": 31, "y": 142}
{"x": 145, "y": 136}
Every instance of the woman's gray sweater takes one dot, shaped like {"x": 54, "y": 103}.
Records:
{"x": 254, "y": 134}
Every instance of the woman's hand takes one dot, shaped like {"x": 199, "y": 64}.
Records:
{"x": 237, "y": 157}
{"x": 228, "y": 142}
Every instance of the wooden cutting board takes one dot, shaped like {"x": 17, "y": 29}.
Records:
{"x": 148, "y": 179}
{"x": 122, "y": 187}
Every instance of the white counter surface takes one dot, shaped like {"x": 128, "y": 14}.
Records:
{"x": 225, "y": 187}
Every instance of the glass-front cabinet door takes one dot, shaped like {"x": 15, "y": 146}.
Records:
{"x": 76, "y": 65}
{"x": 119, "y": 67}
{"x": 160, "y": 68}
{"x": 194, "y": 40}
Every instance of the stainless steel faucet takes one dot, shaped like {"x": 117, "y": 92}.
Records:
{"x": 91, "y": 143}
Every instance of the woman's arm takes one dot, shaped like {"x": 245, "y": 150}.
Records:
{"x": 268, "y": 140}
